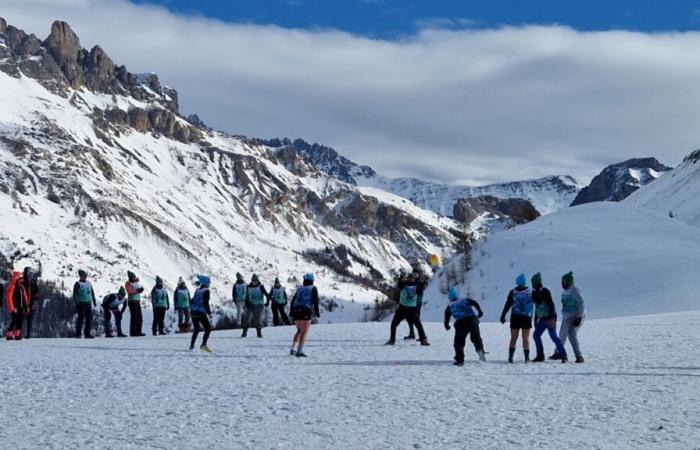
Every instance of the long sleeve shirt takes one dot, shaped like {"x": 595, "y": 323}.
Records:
{"x": 542, "y": 297}
{"x": 314, "y": 301}
{"x": 572, "y": 304}
{"x": 473, "y": 303}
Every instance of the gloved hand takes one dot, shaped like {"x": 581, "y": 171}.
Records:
{"x": 503, "y": 319}
{"x": 577, "y": 321}
{"x": 447, "y": 326}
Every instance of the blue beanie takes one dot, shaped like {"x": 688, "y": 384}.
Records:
{"x": 521, "y": 280}
{"x": 452, "y": 294}
{"x": 203, "y": 280}
{"x": 309, "y": 277}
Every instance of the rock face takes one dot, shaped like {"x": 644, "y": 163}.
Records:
{"x": 513, "y": 211}
{"x": 618, "y": 181}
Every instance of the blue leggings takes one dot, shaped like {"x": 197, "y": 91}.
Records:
{"x": 542, "y": 325}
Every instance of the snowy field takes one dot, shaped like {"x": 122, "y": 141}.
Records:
{"x": 639, "y": 388}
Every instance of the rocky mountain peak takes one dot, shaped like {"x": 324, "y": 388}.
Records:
{"x": 3, "y": 25}
{"x": 618, "y": 181}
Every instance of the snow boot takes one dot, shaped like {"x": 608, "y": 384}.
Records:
{"x": 579, "y": 359}
{"x": 555, "y": 356}
{"x": 259, "y": 330}
{"x": 424, "y": 343}
{"x": 390, "y": 342}
{"x": 539, "y": 358}
{"x": 482, "y": 355}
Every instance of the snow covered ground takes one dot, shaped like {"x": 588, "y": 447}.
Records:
{"x": 639, "y": 388}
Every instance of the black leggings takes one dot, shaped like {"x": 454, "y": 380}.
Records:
{"x": 279, "y": 315}
{"x": 135, "y": 318}
{"x": 84, "y": 317}
{"x": 199, "y": 321}
{"x": 463, "y": 327}
{"x": 158, "y": 320}
{"x": 412, "y": 316}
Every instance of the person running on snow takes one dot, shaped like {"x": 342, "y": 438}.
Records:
{"x": 114, "y": 304}
{"x": 574, "y": 313}
{"x": 466, "y": 323}
{"x": 201, "y": 313}
{"x": 17, "y": 299}
{"x": 279, "y": 301}
{"x": 520, "y": 299}
{"x": 134, "y": 289}
{"x": 304, "y": 306}
{"x": 256, "y": 302}
{"x": 31, "y": 287}
{"x": 84, "y": 298}
{"x": 408, "y": 310}
{"x": 545, "y": 318}
{"x": 181, "y": 299}
{"x": 239, "y": 295}
{"x": 160, "y": 301}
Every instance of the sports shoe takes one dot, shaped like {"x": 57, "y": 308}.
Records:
{"x": 539, "y": 358}
{"x": 409, "y": 337}
{"x": 425, "y": 343}
{"x": 245, "y": 333}
{"x": 390, "y": 342}
{"x": 458, "y": 363}
{"x": 204, "y": 348}
{"x": 301, "y": 355}
{"x": 555, "y": 356}
{"x": 579, "y": 359}
{"x": 482, "y": 355}
{"x": 293, "y": 352}
{"x": 109, "y": 335}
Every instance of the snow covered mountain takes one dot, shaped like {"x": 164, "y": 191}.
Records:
{"x": 98, "y": 170}
{"x": 617, "y": 181}
{"x": 626, "y": 259}
{"x": 676, "y": 193}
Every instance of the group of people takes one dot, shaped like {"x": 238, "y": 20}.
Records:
{"x": 526, "y": 305}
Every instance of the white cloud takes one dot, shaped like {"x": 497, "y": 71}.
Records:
{"x": 482, "y": 105}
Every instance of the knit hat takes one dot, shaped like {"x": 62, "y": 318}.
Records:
{"x": 159, "y": 280}
{"x": 277, "y": 281}
{"x": 309, "y": 277}
{"x": 537, "y": 279}
{"x": 121, "y": 292}
{"x": 254, "y": 277}
{"x": 521, "y": 281}
{"x": 452, "y": 294}
{"x": 82, "y": 273}
{"x": 239, "y": 276}
{"x": 181, "y": 281}
{"x": 131, "y": 275}
{"x": 203, "y": 280}
{"x": 568, "y": 278}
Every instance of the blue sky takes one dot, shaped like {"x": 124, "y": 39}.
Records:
{"x": 390, "y": 19}
{"x": 457, "y": 91}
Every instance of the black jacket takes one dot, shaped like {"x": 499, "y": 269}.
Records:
{"x": 540, "y": 296}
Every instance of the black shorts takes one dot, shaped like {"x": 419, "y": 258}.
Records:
{"x": 300, "y": 313}
{"x": 518, "y": 322}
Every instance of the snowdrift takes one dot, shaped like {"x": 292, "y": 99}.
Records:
{"x": 627, "y": 260}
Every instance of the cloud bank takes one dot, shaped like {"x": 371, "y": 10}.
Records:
{"x": 456, "y": 105}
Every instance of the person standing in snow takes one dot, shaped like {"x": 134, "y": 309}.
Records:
{"x": 84, "y": 298}
{"x": 304, "y": 307}
{"x": 545, "y": 318}
{"x": 160, "y": 301}
{"x": 256, "y": 302}
{"x": 239, "y": 295}
{"x": 114, "y": 304}
{"x": 279, "y": 301}
{"x": 421, "y": 283}
{"x": 17, "y": 299}
{"x": 31, "y": 287}
{"x": 181, "y": 299}
{"x": 134, "y": 289}
{"x": 408, "y": 310}
{"x": 520, "y": 299}
{"x": 573, "y": 315}
{"x": 466, "y": 323}
{"x": 201, "y": 313}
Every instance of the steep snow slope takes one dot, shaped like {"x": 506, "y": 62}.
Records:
{"x": 546, "y": 194}
{"x": 352, "y": 392}
{"x": 676, "y": 193}
{"x": 114, "y": 198}
{"x": 627, "y": 261}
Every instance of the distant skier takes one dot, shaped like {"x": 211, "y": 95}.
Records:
{"x": 201, "y": 313}
{"x": 256, "y": 302}
{"x": 17, "y": 300}
{"x": 304, "y": 307}
{"x": 466, "y": 323}
{"x": 239, "y": 295}
{"x": 31, "y": 287}
{"x": 421, "y": 282}
{"x": 181, "y": 299}
{"x": 573, "y": 314}
{"x": 279, "y": 302}
{"x": 84, "y": 298}
{"x": 545, "y": 318}
{"x": 520, "y": 299}
{"x": 134, "y": 289}
{"x": 408, "y": 310}
{"x": 114, "y": 304}
{"x": 160, "y": 301}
